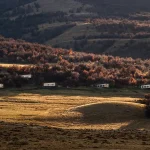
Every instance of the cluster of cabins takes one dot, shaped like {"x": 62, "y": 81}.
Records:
{"x": 53, "y": 84}
{"x": 29, "y": 76}
{"x": 107, "y": 86}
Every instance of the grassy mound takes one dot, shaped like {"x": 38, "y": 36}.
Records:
{"x": 111, "y": 112}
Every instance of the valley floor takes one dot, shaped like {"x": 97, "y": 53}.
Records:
{"x": 70, "y": 119}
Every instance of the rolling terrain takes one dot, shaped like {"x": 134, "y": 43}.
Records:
{"x": 75, "y": 115}
{"x": 81, "y": 25}
{"x": 73, "y": 119}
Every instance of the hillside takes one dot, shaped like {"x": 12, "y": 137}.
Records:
{"x": 118, "y": 7}
{"x": 68, "y": 67}
{"x": 82, "y": 25}
{"x": 75, "y": 111}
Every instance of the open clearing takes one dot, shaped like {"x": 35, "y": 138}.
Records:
{"x": 18, "y": 65}
{"x": 83, "y": 119}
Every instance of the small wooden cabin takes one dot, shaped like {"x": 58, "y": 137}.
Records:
{"x": 102, "y": 85}
{"x": 49, "y": 85}
{"x": 26, "y": 76}
{"x": 145, "y": 86}
{"x": 1, "y": 86}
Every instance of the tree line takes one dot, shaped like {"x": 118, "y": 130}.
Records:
{"x": 68, "y": 67}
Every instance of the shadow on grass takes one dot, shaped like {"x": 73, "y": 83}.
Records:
{"x": 112, "y": 112}
{"x": 90, "y": 92}
{"x": 142, "y": 124}
{"x": 93, "y": 114}
{"x": 105, "y": 114}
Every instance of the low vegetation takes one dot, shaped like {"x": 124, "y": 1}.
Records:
{"x": 114, "y": 36}
{"x": 67, "y": 67}
{"x": 74, "y": 108}
{"x": 115, "y": 27}
{"x": 80, "y": 118}
{"x": 146, "y": 101}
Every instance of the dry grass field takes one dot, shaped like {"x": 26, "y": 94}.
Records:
{"x": 11, "y": 65}
{"x": 69, "y": 119}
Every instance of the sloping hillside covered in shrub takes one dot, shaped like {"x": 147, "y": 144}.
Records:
{"x": 116, "y": 27}
{"x": 68, "y": 67}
